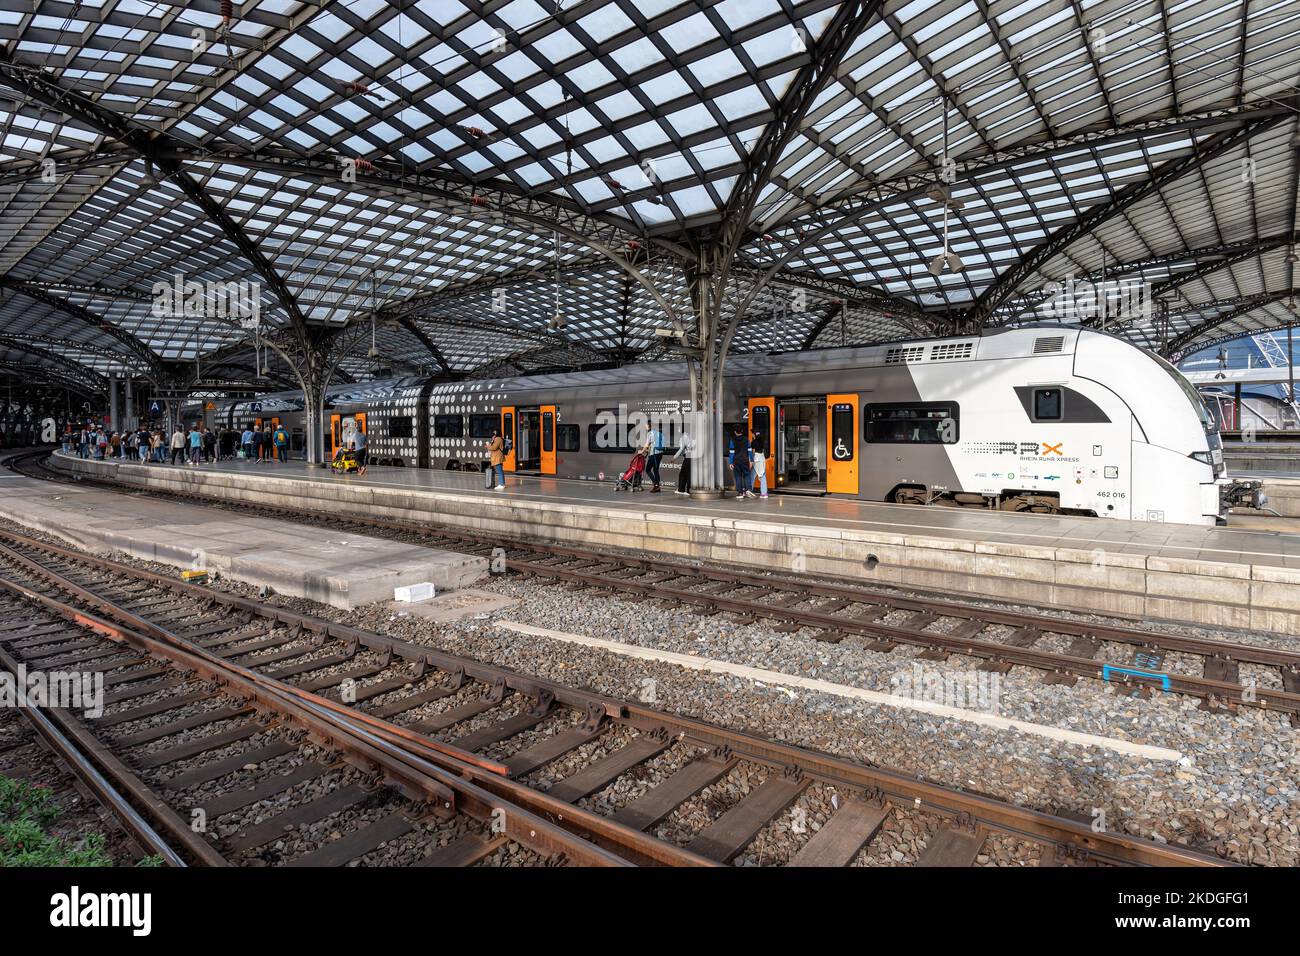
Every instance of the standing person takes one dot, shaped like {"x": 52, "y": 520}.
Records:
{"x": 281, "y": 439}
{"x": 178, "y": 444}
{"x": 363, "y": 453}
{"x": 209, "y": 445}
{"x": 685, "y": 451}
{"x": 496, "y": 459}
{"x": 83, "y": 442}
{"x": 156, "y": 447}
{"x": 739, "y": 456}
{"x": 101, "y": 444}
{"x": 654, "y": 454}
{"x": 246, "y": 442}
{"x": 258, "y": 446}
{"x": 758, "y": 447}
{"x": 196, "y": 444}
{"x": 115, "y": 445}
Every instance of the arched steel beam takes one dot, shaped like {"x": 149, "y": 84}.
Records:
{"x": 49, "y": 376}
{"x": 1166, "y": 173}
{"x": 849, "y": 22}
{"x": 429, "y": 344}
{"x": 486, "y": 202}
{"x": 542, "y": 338}
{"x": 54, "y": 358}
{"x": 1240, "y": 307}
{"x": 34, "y": 82}
{"x": 129, "y": 364}
{"x": 141, "y": 352}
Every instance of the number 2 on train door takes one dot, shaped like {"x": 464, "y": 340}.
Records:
{"x": 842, "y": 444}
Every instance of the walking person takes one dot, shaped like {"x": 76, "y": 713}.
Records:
{"x": 685, "y": 452}
{"x": 115, "y": 446}
{"x": 83, "y": 442}
{"x": 360, "y": 441}
{"x": 196, "y": 444}
{"x": 654, "y": 455}
{"x": 178, "y": 444}
{"x": 281, "y": 439}
{"x": 758, "y": 448}
{"x": 497, "y": 459}
{"x": 246, "y": 443}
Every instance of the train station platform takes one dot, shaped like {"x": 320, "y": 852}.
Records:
{"x": 343, "y": 570}
{"x": 1213, "y": 576}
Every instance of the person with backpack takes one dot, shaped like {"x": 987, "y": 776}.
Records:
{"x": 654, "y": 455}
{"x": 496, "y": 459}
{"x": 739, "y": 457}
{"x": 281, "y": 439}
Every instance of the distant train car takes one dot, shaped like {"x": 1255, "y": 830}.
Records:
{"x": 1046, "y": 419}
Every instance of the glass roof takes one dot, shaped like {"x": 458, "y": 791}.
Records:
{"x": 500, "y": 186}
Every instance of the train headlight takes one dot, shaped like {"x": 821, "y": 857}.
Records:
{"x": 1203, "y": 457}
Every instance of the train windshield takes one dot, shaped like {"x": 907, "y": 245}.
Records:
{"x": 1193, "y": 396}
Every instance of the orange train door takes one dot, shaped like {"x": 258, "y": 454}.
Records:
{"x": 762, "y": 413}
{"x": 548, "y": 439}
{"x": 842, "y": 444}
{"x": 508, "y": 432}
{"x": 336, "y": 434}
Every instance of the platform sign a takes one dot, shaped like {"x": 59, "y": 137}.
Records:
{"x": 155, "y": 408}
{"x": 255, "y": 407}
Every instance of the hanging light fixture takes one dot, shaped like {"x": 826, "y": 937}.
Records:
{"x": 941, "y": 193}
{"x": 1291, "y": 257}
{"x": 557, "y": 320}
{"x": 374, "y": 307}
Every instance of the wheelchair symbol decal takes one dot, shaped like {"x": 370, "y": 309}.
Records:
{"x": 840, "y": 452}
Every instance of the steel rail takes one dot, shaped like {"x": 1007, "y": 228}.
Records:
{"x": 871, "y": 779}
{"x": 418, "y": 780}
{"x": 81, "y": 756}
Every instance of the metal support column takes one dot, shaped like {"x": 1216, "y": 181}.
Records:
{"x": 112, "y": 402}
{"x": 128, "y": 409}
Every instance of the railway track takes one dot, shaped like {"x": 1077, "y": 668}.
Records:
{"x": 1064, "y": 651}
{"x": 208, "y": 690}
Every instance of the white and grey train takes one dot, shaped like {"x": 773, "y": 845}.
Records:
{"x": 1047, "y": 419}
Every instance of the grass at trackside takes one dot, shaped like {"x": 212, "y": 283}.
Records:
{"x": 27, "y": 813}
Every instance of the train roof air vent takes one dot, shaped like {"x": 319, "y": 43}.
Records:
{"x": 1049, "y": 343}
{"x": 899, "y": 356}
{"x": 951, "y": 350}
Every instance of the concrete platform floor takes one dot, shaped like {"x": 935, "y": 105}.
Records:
{"x": 343, "y": 570}
{"x": 1276, "y": 542}
{"x": 1239, "y": 578}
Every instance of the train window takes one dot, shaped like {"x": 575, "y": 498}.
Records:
{"x": 482, "y": 426}
{"x": 842, "y": 431}
{"x": 906, "y": 422}
{"x": 548, "y": 431}
{"x": 1047, "y": 405}
{"x": 448, "y": 426}
{"x": 401, "y": 426}
{"x": 568, "y": 438}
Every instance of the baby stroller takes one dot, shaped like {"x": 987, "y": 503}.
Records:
{"x": 630, "y": 480}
